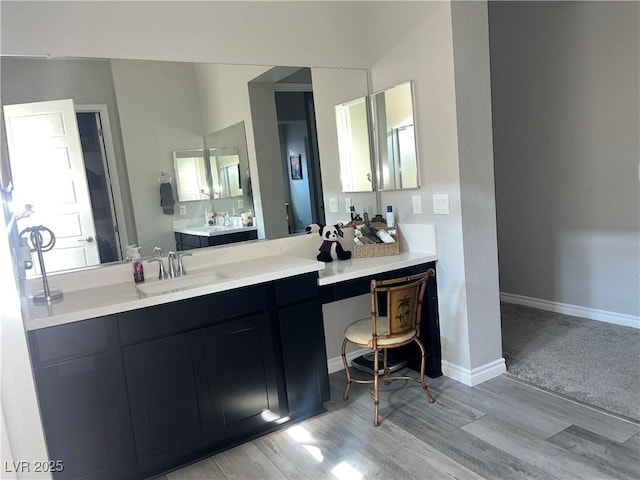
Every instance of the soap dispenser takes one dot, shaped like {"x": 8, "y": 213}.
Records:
{"x": 136, "y": 261}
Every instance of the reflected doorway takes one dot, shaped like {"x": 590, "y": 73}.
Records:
{"x": 99, "y": 183}
{"x": 299, "y": 147}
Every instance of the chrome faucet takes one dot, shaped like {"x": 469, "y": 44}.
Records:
{"x": 157, "y": 251}
{"x": 176, "y": 270}
{"x": 171, "y": 262}
{"x": 181, "y": 270}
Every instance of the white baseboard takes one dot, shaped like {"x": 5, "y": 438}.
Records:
{"x": 574, "y": 310}
{"x": 335, "y": 364}
{"x": 475, "y": 376}
{"x": 462, "y": 375}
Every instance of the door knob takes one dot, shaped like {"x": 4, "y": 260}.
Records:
{"x": 88, "y": 239}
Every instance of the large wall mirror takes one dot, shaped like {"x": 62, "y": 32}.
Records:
{"x": 397, "y": 162}
{"x": 138, "y": 113}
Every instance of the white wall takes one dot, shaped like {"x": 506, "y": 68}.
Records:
{"x": 22, "y": 435}
{"x": 477, "y": 199}
{"x": 248, "y": 33}
{"x": 414, "y": 41}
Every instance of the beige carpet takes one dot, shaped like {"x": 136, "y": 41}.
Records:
{"x": 593, "y": 362}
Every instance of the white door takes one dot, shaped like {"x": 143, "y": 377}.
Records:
{"x": 48, "y": 172}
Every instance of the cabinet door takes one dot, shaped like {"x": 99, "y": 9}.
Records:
{"x": 168, "y": 398}
{"x": 83, "y": 406}
{"x": 304, "y": 357}
{"x": 242, "y": 376}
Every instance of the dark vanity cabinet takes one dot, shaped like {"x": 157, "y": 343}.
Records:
{"x": 303, "y": 347}
{"x": 185, "y": 241}
{"x": 83, "y": 399}
{"x": 170, "y": 409}
{"x": 138, "y": 393}
{"x": 242, "y": 376}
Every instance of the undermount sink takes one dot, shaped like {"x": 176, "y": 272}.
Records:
{"x": 179, "y": 283}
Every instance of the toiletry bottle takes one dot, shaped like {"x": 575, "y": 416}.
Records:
{"x": 138, "y": 272}
{"x": 389, "y": 216}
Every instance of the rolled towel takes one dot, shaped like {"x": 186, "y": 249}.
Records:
{"x": 166, "y": 198}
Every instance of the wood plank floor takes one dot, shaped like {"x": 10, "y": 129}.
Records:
{"x": 501, "y": 429}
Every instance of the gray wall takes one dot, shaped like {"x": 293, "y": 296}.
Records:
{"x": 565, "y": 83}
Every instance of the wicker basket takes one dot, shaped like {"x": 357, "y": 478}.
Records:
{"x": 377, "y": 249}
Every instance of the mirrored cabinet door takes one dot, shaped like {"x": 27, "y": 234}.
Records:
{"x": 397, "y": 162}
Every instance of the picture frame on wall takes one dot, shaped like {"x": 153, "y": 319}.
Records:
{"x": 295, "y": 162}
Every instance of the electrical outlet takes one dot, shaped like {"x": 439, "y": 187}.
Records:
{"x": 240, "y": 203}
{"x": 416, "y": 201}
{"x": 333, "y": 205}
{"x": 347, "y": 204}
{"x": 183, "y": 210}
{"x": 441, "y": 204}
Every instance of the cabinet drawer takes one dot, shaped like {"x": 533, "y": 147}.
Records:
{"x": 189, "y": 314}
{"x": 297, "y": 289}
{"x": 70, "y": 340}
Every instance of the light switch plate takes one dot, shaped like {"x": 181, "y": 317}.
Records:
{"x": 333, "y": 205}
{"x": 416, "y": 201}
{"x": 183, "y": 210}
{"x": 240, "y": 203}
{"x": 347, "y": 204}
{"x": 441, "y": 204}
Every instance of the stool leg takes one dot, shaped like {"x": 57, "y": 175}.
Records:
{"x": 376, "y": 389}
{"x": 345, "y": 396}
{"x": 423, "y": 363}
{"x": 386, "y": 367}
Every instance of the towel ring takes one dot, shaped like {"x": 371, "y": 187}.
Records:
{"x": 164, "y": 178}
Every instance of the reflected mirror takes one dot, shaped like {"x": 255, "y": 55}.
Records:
{"x": 225, "y": 172}
{"x": 352, "y": 124}
{"x": 229, "y": 166}
{"x": 397, "y": 165}
{"x": 191, "y": 175}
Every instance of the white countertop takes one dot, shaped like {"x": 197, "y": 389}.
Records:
{"x": 212, "y": 231}
{"x": 342, "y": 270}
{"x": 119, "y": 297}
{"x": 96, "y": 292}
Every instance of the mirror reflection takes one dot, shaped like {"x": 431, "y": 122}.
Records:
{"x": 229, "y": 167}
{"x": 352, "y": 124}
{"x": 144, "y": 111}
{"x": 191, "y": 175}
{"x": 395, "y": 138}
{"x": 225, "y": 172}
